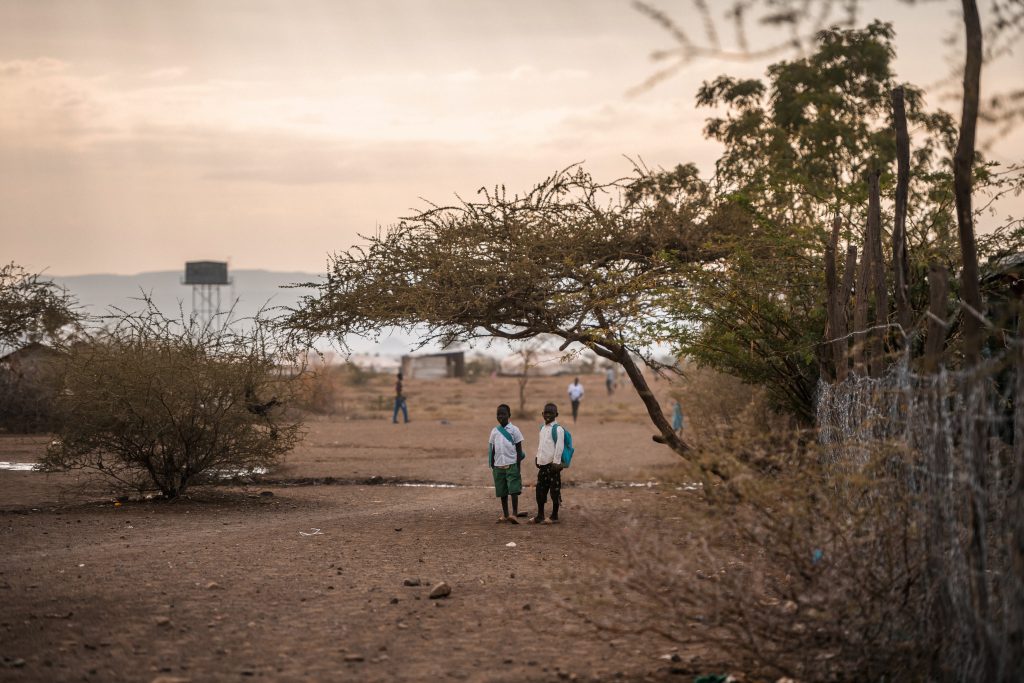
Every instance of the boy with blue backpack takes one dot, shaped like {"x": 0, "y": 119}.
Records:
{"x": 504, "y": 453}
{"x": 554, "y": 452}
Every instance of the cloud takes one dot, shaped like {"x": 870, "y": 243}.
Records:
{"x": 31, "y": 67}
{"x": 169, "y": 73}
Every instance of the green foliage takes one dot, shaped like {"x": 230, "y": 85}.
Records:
{"x": 155, "y": 402}
{"x": 797, "y": 149}
{"x": 31, "y": 308}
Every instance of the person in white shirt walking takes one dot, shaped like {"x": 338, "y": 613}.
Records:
{"x": 549, "y": 465}
{"x": 575, "y": 395}
{"x": 504, "y": 453}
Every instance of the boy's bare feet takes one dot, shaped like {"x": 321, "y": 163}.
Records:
{"x": 501, "y": 519}
{"x": 513, "y": 520}
{"x": 537, "y": 519}
{"x": 548, "y": 521}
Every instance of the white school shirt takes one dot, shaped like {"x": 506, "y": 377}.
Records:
{"x": 575, "y": 391}
{"x": 504, "y": 452}
{"x": 549, "y": 451}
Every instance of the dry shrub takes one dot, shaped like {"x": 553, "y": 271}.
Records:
{"x": 717, "y": 406}
{"x": 317, "y": 391}
{"x": 162, "y": 403}
{"x": 801, "y": 574}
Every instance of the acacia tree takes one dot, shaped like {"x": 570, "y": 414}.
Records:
{"x": 582, "y": 261}
{"x": 31, "y": 308}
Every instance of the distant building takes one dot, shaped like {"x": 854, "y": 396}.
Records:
{"x": 28, "y": 386}
{"x": 29, "y": 359}
{"x": 434, "y": 365}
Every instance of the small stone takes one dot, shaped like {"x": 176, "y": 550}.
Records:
{"x": 213, "y": 586}
{"x": 441, "y": 590}
{"x": 353, "y": 658}
{"x": 527, "y": 607}
{"x": 267, "y": 494}
{"x": 162, "y": 621}
{"x": 394, "y": 601}
{"x": 411, "y": 582}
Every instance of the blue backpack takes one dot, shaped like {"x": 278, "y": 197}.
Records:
{"x": 567, "y": 449}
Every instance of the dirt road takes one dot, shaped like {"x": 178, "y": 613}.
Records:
{"x": 284, "y": 582}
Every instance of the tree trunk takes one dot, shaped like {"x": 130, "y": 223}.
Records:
{"x": 1015, "y": 657}
{"x": 876, "y": 362}
{"x": 860, "y": 310}
{"x": 836, "y": 326}
{"x": 636, "y": 376}
{"x": 900, "y": 265}
{"x": 963, "y": 161}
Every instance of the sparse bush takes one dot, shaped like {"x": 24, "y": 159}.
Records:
{"x": 784, "y": 576}
{"x": 317, "y": 390}
{"x": 156, "y": 402}
{"x": 356, "y": 376}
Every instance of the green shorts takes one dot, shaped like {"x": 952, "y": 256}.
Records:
{"x": 508, "y": 481}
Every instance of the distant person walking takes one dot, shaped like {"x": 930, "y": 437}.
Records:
{"x": 609, "y": 380}
{"x": 677, "y": 417}
{"x": 575, "y": 396}
{"x": 400, "y": 401}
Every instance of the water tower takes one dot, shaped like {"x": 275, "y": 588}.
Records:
{"x": 206, "y": 278}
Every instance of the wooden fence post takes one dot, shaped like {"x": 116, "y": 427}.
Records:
{"x": 938, "y": 290}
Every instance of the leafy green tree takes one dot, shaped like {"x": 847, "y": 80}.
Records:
{"x": 797, "y": 150}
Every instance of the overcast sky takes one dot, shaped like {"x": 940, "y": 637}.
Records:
{"x": 138, "y": 134}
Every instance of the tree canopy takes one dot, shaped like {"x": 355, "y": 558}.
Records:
{"x": 31, "y": 307}
{"x": 583, "y": 261}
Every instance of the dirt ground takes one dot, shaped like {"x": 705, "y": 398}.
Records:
{"x": 302, "y": 576}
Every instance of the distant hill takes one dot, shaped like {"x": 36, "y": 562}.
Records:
{"x": 250, "y": 290}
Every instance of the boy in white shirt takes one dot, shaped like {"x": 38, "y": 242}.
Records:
{"x": 575, "y": 396}
{"x": 505, "y": 451}
{"x": 549, "y": 465}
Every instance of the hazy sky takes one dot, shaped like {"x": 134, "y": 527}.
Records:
{"x": 138, "y": 134}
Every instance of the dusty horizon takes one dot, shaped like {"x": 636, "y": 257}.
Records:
{"x": 136, "y": 137}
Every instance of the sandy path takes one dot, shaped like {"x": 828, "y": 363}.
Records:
{"x": 224, "y": 587}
